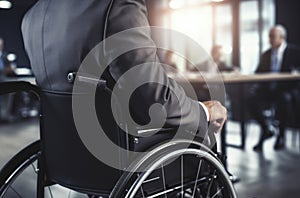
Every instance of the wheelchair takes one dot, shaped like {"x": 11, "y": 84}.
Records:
{"x": 177, "y": 168}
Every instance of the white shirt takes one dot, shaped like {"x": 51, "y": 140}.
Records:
{"x": 280, "y": 52}
{"x": 206, "y": 111}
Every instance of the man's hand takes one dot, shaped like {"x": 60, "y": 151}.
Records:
{"x": 217, "y": 114}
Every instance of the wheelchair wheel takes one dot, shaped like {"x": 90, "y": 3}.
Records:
{"x": 16, "y": 167}
{"x": 19, "y": 177}
{"x": 175, "y": 171}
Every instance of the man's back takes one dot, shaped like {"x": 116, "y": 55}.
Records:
{"x": 59, "y": 34}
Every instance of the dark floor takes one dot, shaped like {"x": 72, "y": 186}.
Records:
{"x": 269, "y": 174}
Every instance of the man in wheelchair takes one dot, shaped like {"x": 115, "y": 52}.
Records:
{"x": 102, "y": 51}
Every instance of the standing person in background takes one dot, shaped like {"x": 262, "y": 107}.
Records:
{"x": 281, "y": 57}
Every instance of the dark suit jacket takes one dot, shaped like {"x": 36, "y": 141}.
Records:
{"x": 291, "y": 59}
{"x": 58, "y": 35}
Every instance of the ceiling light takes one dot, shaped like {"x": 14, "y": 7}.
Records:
{"x": 11, "y": 57}
{"x": 5, "y": 4}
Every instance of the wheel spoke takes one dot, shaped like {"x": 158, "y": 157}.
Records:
{"x": 181, "y": 175}
{"x": 164, "y": 179}
{"x": 18, "y": 194}
{"x": 50, "y": 192}
{"x": 142, "y": 190}
{"x": 210, "y": 184}
{"x": 34, "y": 168}
{"x": 218, "y": 192}
{"x": 198, "y": 172}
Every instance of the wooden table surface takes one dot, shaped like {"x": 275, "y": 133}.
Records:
{"x": 233, "y": 77}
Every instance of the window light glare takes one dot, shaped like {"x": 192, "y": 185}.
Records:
{"x": 227, "y": 49}
{"x": 5, "y": 4}
{"x": 11, "y": 57}
{"x": 176, "y": 4}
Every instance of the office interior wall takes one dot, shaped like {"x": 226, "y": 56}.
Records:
{"x": 288, "y": 14}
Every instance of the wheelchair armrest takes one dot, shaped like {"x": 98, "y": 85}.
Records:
{"x": 210, "y": 139}
{"x": 16, "y": 86}
{"x": 148, "y": 132}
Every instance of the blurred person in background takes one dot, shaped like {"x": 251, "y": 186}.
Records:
{"x": 281, "y": 57}
{"x": 4, "y": 62}
{"x": 217, "y": 55}
{"x": 215, "y": 63}
{"x": 168, "y": 62}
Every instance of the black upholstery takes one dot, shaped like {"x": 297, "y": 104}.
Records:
{"x": 67, "y": 160}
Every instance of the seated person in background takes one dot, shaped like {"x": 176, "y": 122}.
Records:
{"x": 217, "y": 55}
{"x": 215, "y": 63}
{"x": 281, "y": 57}
{"x": 212, "y": 65}
{"x": 168, "y": 62}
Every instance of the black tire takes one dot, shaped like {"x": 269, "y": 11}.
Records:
{"x": 19, "y": 177}
{"x": 16, "y": 166}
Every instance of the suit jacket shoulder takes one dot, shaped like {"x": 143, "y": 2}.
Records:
{"x": 58, "y": 37}
{"x": 291, "y": 58}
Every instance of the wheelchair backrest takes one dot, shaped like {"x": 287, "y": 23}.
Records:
{"x": 67, "y": 160}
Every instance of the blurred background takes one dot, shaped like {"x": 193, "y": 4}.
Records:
{"x": 241, "y": 27}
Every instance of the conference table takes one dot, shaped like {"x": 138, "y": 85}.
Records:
{"x": 229, "y": 78}
{"x": 226, "y": 79}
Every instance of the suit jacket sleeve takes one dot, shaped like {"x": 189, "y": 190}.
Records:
{"x": 179, "y": 109}
{"x": 264, "y": 63}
